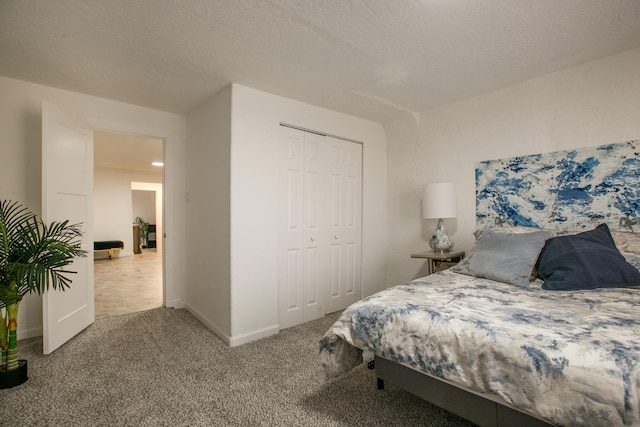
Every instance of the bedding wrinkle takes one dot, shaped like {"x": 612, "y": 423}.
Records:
{"x": 571, "y": 358}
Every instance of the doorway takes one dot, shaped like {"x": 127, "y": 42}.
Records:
{"x": 125, "y": 165}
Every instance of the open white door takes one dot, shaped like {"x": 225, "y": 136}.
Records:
{"x": 67, "y": 194}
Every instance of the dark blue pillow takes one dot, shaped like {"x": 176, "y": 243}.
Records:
{"x": 587, "y": 260}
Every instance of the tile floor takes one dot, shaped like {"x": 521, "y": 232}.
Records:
{"x": 127, "y": 284}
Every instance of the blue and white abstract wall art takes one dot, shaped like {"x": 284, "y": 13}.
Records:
{"x": 565, "y": 190}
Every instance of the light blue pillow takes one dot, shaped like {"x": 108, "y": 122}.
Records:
{"x": 506, "y": 257}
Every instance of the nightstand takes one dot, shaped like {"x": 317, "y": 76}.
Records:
{"x": 436, "y": 259}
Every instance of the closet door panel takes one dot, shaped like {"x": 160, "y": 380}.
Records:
{"x": 352, "y": 232}
{"x": 310, "y": 281}
{"x": 291, "y": 228}
{"x": 351, "y": 269}
{"x": 315, "y": 219}
{"x": 334, "y": 272}
{"x": 346, "y": 203}
{"x": 320, "y": 249}
{"x": 336, "y": 173}
{"x": 293, "y": 275}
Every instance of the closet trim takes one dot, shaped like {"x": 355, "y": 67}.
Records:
{"x": 317, "y": 132}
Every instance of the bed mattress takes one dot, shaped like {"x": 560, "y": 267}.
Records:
{"x": 571, "y": 358}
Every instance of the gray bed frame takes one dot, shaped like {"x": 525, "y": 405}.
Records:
{"x": 479, "y": 408}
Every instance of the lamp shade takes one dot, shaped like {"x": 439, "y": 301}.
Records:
{"x": 439, "y": 200}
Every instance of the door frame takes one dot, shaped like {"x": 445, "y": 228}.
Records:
{"x": 170, "y": 291}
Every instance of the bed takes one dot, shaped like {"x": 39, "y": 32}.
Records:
{"x": 538, "y": 325}
{"x": 566, "y": 362}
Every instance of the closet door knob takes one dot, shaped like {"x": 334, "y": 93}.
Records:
{"x": 335, "y": 237}
{"x": 313, "y": 240}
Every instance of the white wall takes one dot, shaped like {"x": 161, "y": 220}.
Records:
{"x": 113, "y": 204}
{"x": 254, "y": 188}
{"x": 143, "y": 205}
{"x": 208, "y": 294}
{"x": 232, "y": 214}
{"x": 588, "y": 105}
{"x": 20, "y": 164}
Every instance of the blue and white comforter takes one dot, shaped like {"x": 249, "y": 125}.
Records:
{"x": 571, "y": 358}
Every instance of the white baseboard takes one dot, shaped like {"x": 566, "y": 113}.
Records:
{"x": 23, "y": 334}
{"x": 230, "y": 341}
{"x": 176, "y": 303}
{"x": 224, "y": 337}
{"x": 254, "y": 336}
{"x": 238, "y": 340}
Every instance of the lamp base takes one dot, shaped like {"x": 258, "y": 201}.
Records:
{"x": 441, "y": 241}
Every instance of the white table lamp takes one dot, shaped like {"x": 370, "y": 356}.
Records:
{"x": 439, "y": 201}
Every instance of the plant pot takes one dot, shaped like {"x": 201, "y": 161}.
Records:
{"x": 14, "y": 377}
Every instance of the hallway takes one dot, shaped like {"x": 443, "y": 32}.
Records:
{"x": 127, "y": 284}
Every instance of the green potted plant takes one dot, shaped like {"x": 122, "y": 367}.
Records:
{"x": 33, "y": 257}
{"x": 144, "y": 231}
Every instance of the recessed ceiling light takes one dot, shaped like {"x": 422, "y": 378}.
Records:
{"x": 159, "y": 164}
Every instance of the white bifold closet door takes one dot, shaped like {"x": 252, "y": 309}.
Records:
{"x": 320, "y": 228}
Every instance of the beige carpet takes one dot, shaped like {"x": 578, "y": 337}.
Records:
{"x": 164, "y": 368}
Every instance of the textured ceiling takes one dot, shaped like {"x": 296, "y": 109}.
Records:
{"x": 369, "y": 58}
